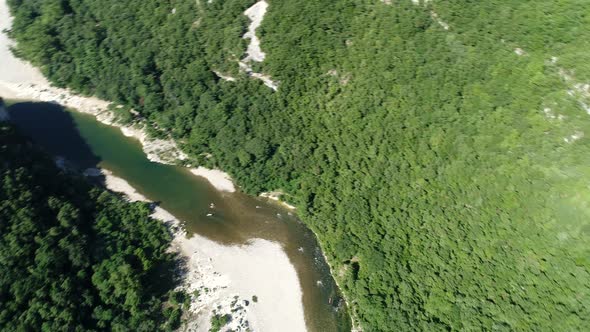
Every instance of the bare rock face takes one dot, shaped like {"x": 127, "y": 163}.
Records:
{"x": 254, "y": 52}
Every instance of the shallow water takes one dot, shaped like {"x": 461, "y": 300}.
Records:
{"x": 235, "y": 219}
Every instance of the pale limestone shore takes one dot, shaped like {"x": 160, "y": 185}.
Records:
{"x": 220, "y": 180}
{"x": 276, "y": 196}
{"x": 226, "y": 278}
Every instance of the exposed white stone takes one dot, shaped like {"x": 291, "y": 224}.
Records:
{"x": 225, "y": 77}
{"x": 519, "y": 51}
{"x": 440, "y": 22}
{"x": 255, "y": 14}
{"x": 578, "y": 90}
{"x": 254, "y": 52}
{"x": 276, "y": 196}
{"x": 266, "y": 80}
{"x": 574, "y": 137}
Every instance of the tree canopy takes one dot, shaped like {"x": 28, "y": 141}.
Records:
{"x": 74, "y": 257}
{"x": 439, "y": 150}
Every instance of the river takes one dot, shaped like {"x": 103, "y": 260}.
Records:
{"x": 235, "y": 219}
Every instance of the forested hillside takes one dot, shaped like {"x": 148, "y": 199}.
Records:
{"x": 74, "y": 257}
{"x": 439, "y": 149}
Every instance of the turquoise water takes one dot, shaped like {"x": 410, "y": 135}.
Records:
{"x": 237, "y": 217}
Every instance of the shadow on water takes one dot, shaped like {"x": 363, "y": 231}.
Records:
{"x": 55, "y": 129}
{"x": 229, "y": 219}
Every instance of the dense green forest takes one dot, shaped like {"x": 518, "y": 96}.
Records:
{"x": 445, "y": 171}
{"x": 74, "y": 257}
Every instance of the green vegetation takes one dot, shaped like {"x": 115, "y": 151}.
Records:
{"x": 445, "y": 175}
{"x": 219, "y": 321}
{"x": 74, "y": 257}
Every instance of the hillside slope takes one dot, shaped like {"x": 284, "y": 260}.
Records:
{"x": 74, "y": 257}
{"x": 438, "y": 149}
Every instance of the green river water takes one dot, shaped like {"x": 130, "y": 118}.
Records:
{"x": 88, "y": 143}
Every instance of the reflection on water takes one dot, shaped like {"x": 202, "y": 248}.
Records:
{"x": 226, "y": 218}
